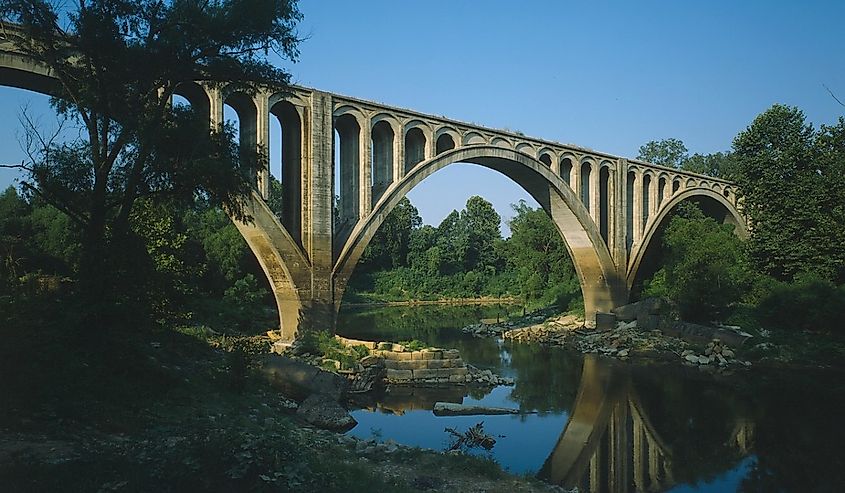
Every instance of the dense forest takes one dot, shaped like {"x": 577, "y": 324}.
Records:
{"x": 466, "y": 257}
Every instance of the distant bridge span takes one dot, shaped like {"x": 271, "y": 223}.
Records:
{"x": 607, "y": 208}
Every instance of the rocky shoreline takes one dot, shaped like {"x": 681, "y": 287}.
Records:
{"x": 644, "y": 330}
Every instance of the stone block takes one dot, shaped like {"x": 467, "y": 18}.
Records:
{"x": 432, "y": 354}
{"x": 451, "y": 354}
{"x": 439, "y": 363}
{"x": 647, "y": 321}
{"x": 411, "y": 365}
{"x": 399, "y": 375}
{"x": 457, "y": 379}
{"x": 605, "y": 321}
{"x": 417, "y": 355}
{"x": 431, "y": 374}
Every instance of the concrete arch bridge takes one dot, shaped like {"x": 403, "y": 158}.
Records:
{"x": 607, "y": 208}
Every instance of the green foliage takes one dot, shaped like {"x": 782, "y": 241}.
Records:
{"x": 809, "y": 303}
{"x": 413, "y": 345}
{"x": 718, "y": 164}
{"x": 119, "y": 64}
{"x": 481, "y": 223}
{"x": 667, "y": 152}
{"x": 544, "y": 271}
{"x": 793, "y": 188}
{"x": 391, "y": 243}
{"x": 705, "y": 270}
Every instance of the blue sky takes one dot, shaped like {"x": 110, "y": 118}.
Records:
{"x": 605, "y": 75}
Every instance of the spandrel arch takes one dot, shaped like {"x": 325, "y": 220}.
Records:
{"x": 600, "y": 285}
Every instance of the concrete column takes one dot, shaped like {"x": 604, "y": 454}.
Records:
{"x": 365, "y": 189}
{"x": 620, "y": 213}
{"x": 667, "y": 191}
{"x": 318, "y": 219}
{"x": 555, "y": 165}
{"x": 652, "y": 197}
{"x": 653, "y": 465}
{"x": 215, "y": 98}
{"x": 398, "y": 154}
{"x": 639, "y": 460}
{"x": 595, "y": 192}
{"x": 575, "y": 178}
{"x": 638, "y": 206}
{"x": 262, "y": 142}
{"x": 430, "y": 145}
{"x": 595, "y": 469}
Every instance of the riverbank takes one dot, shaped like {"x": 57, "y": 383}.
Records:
{"x": 443, "y": 301}
{"x": 711, "y": 348}
{"x": 187, "y": 411}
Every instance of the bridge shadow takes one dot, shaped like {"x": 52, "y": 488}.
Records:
{"x": 611, "y": 444}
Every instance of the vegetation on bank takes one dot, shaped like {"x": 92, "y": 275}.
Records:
{"x": 467, "y": 257}
{"x": 790, "y": 275}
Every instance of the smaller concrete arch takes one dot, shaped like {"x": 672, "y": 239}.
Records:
{"x": 446, "y": 138}
{"x": 732, "y": 216}
{"x": 546, "y": 158}
{"x": 293, "y": 98}
{"x": 197, "y": 96}
{"x": 416, "y": 137}
{"x": 526, "y": 149}
{"x": 391, "y": 120}
{"x": 607, "y": 163}
{"x": 500, "y": 142}
{"x": 474, "y": 138}
{"x": 717, "y": 188}
{"x": 352, "y": 111}
{"x": 676, "y": 185}
{"x": 567, "y": 162}
{"x": 690, "y": 183}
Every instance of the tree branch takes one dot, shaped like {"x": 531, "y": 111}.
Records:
{"x": 833, "y": 95}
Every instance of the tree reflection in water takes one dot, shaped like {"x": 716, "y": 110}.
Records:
{"x": 640, "y": 428}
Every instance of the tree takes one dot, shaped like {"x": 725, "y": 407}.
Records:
{"x": 667, "y": 152}
{"x": 536, "y": 251}
{"x": 481, "y": 222}
{"x": 705, "y": 270}
{"x": 790, "y": 179}
{"x": 117, "y": 64}
{"x": 389, "y": 246}
{"x": 718, "y": 164}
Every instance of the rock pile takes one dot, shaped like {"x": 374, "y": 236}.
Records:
{"x": 486, "y": 330}
{"x": 716, "y": 354}
{"x": 486, "y": 377}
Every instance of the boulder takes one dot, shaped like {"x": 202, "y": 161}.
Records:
{"x": 299, "y": 380}
{"x": 450, "y": 409}
{"x": 323, "y": 411}
{"x": 605, "y": 321}
{"x": 632, "y": 311}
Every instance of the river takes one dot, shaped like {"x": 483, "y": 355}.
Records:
{"x": 604, "y": 425}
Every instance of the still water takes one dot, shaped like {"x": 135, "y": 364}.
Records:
{"x": 602, "y": 425}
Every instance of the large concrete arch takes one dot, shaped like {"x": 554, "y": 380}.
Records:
{"x": 732, "y": 216}
{"x": 283, "y": 262}
{"x": 601, "y": 285}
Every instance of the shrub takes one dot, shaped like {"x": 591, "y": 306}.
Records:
{"x": 808, "y": 303}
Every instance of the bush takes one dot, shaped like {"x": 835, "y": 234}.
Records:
{"x": 808, "y": 303}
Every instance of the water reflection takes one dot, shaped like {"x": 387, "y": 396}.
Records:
{"x": 610, "y": 442}
{"x": 602, "y": 426}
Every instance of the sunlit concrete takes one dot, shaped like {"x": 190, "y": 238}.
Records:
{"x": 607, "y": 208}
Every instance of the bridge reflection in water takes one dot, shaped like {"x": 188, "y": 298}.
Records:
{"x": 610, "y": 445}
